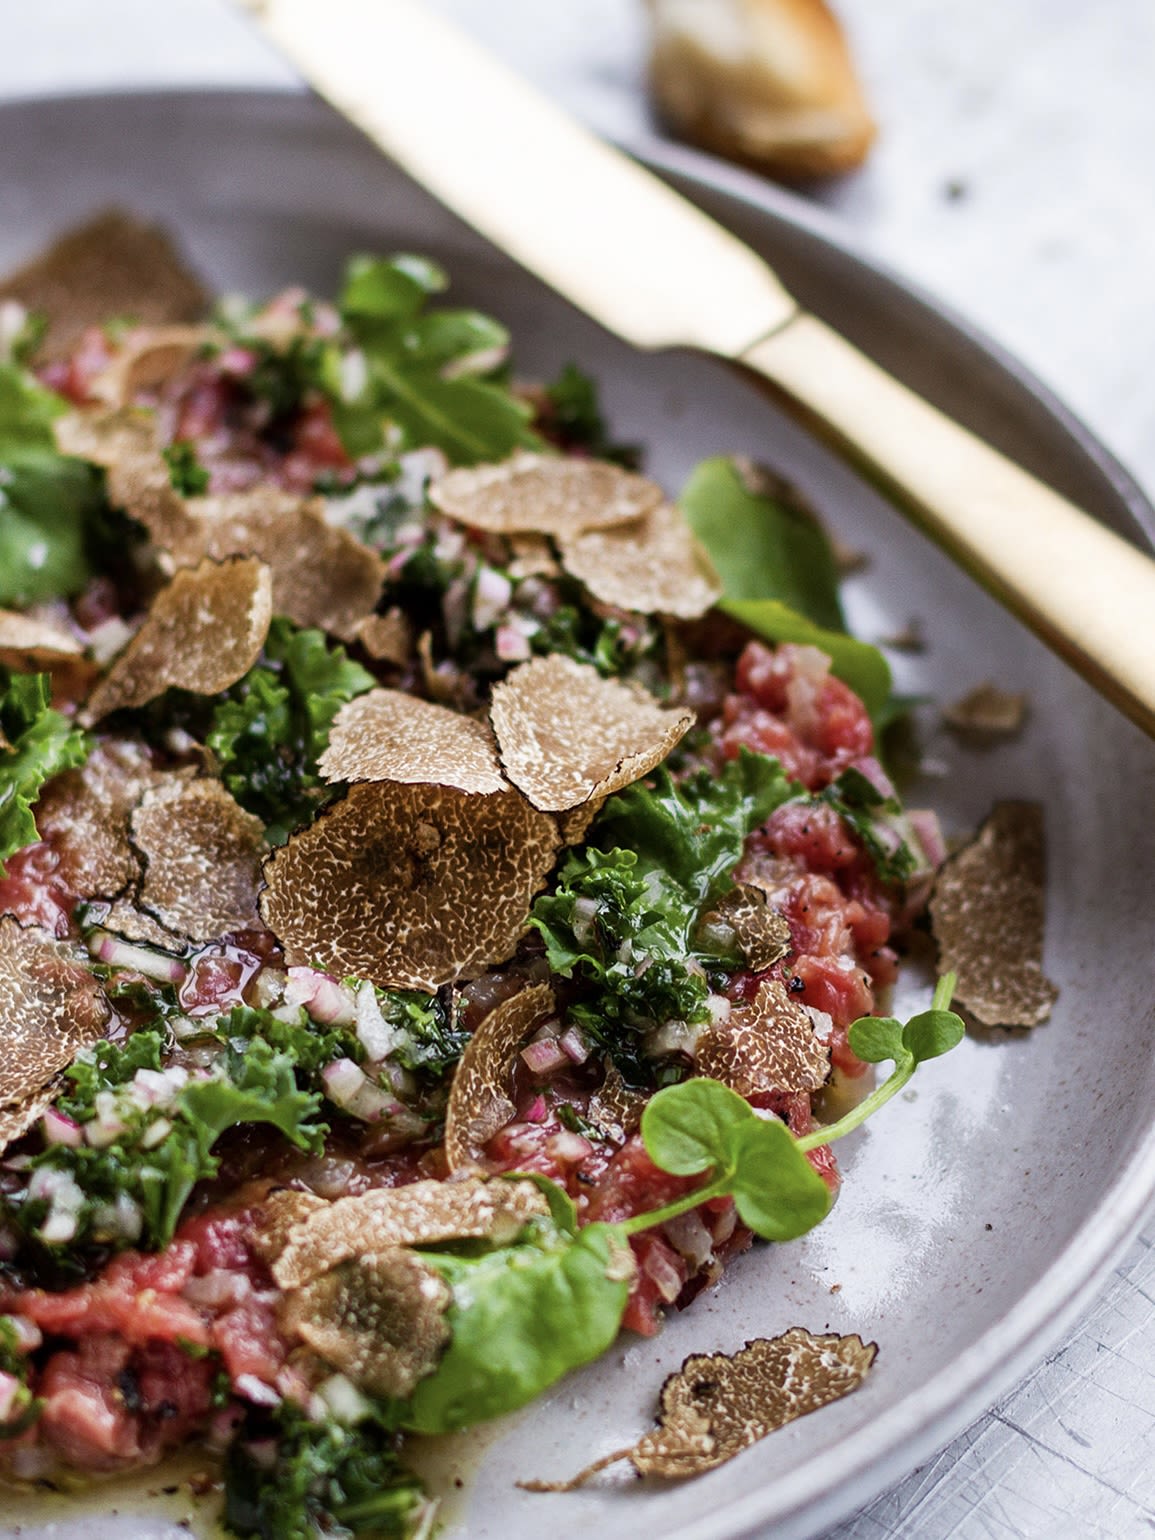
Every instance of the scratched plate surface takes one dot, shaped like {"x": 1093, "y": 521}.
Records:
{"x": 974, "y": 1215}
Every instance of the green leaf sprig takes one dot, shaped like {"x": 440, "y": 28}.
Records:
{"x": 524, "y": 1315}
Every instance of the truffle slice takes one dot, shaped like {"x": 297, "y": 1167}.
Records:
{"x": 410, "y": 886}
{"x": 202, "y": 858}
{"x": 205, "y": 630}
{"x": 986, "y": 714}
{"x": 418, "y": 1214}
{"x": 51, "y": 1006}
{"x": 544, "y": 494}
{"x": 138, "y": 480}
{"x": 388, "y": 735}
{"x": 85, "y": 813}
{"x": 110, "y": 266}
{"x": 378, "y": 1318}
{"x": 28, "y": 645}
{"x": 145, "y": 359}
{"x": 987, "y": 914}
{"x": 567, "y": 735}
{"x": 654, "y": 564}
{"x": 761, "y": 931}
{"x": 767, "y": 1045}
{"x": 322, "y": 575}
{"x": 718, "y": 1404}
{"x": 479, "y": 1101}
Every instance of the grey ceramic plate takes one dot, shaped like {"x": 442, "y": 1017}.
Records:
{"x": 977, "y": 1214}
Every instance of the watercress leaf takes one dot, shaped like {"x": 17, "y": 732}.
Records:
{"x": 695, "y": 1126}
{"x": 776, "y": 1190}
{"x": 875, "y": 1038}
{"x": 575, "y": 420}
{"x": 40, "y": 743}
{"x": 764, "y": 546}
{"x": 856, "y": 663}
{"x": 388, "y": 288}
{"x": 932, "y": 1033}
{"x": 521, "y": 1317}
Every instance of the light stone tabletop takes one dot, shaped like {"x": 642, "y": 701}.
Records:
{"x": 1014, "y": 176}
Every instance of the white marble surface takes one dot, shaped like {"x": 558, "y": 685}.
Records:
{"x": 1014, "y": 177}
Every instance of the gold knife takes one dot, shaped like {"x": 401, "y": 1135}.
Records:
{"x": 622, "y": 246}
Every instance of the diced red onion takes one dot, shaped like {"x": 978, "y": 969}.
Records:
{"x": 27, "y": 1334}
{"x": 374, "y": 1033}
{"x": 928, "y": 832}
{"x": 573, "y": 1044}
{"x": 349, "y": 1088}
{"x": 690, "y": 1238}
{"x": 583, "y": 919}
{"x": 876, "y": 775}
{"x": 58, "y": 1129}
{"x": 492, "y": 592}
{"x": 10, "y": 1388}
{"x": 537, "y": 1111}
{"x": 664, "y": 1273}
{"x": 110, "y": 949}
{"x": 544, "y": 1056}
{"x": 511, "y": 644}
{"x": 325, "y": 1000}
{"x": 255, "y": 1390}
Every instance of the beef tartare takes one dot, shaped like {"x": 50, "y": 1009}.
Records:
{"x": 441, "y": 879}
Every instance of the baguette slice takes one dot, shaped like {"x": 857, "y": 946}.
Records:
{"x": 767, "y": 82}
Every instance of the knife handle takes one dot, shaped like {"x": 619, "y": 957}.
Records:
{"x": 1086, "y": 591}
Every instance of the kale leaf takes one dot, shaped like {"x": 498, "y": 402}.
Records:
{"x": 272, "y": 726}
{"x": 158, "y": 1132}
{"x": 35, "y": 743}
{"x": 186, "y": 472}
{"x": 574, "y": 419}
{"x": 624, "y": 911}
{"x": 326, "y": 1477}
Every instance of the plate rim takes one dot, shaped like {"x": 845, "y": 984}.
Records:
{"x": 880, "y": 1453}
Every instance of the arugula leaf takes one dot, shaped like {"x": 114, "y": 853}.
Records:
{"x": 879, "y": 823}
{"x": 856, "y": 663}
{"x": 764, "y": 546}
{"x": 270, "y": 729}
{"x": 522, "y": 1316}
{"x": 422, "y": 370}
{"x": 37, "y": 743}
{"x": 779, "y": 575}
{"x": 326, "y": 1478}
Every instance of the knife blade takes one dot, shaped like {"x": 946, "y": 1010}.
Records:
{"x": 621, "y": 245}
{"x": 615, "y": 240}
